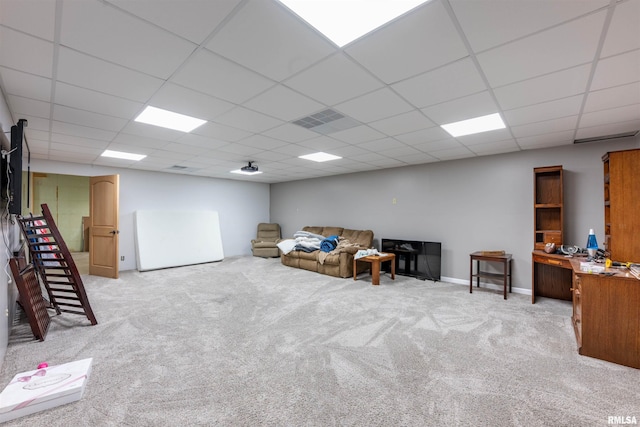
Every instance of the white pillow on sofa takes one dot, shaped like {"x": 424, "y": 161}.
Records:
{"x": 287, "y": 245}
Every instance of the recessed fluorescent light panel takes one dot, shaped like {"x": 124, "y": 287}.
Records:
{"x": 168, "y": 119}
{"x": 476, "y": 125}
{"x": 344, "y": 21}
{"x": 123, "y": 155}
{"x": 319, "y": 157}
{"x": 241, "y": 172}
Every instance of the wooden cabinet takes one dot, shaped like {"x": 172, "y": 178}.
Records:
{"x": 622, "y": 204}
{"x": 606, "y": 318}
{"x": 548, "y": 206}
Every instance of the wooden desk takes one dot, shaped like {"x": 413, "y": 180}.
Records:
{"x": 505, "y": 275}
{"x": 375, "y": 261}
{"x": 606, "y": 318}
{"x": 551, "y": 276}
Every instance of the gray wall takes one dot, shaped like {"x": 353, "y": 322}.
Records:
{"x": 483, "y": 203}
{"x": 241, "y": 205}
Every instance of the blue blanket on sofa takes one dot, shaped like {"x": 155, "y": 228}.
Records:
{"x": 329, "y": 244}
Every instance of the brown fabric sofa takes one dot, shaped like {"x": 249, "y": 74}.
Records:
{"x": 338, "y": 264}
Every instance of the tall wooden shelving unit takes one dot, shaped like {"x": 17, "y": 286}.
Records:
{"x": 548, "y": 206}
{"x": 622, "y": 204}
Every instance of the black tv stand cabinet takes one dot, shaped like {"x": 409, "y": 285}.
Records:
{"x": 418, "y": 259}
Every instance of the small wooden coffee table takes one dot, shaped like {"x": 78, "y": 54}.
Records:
{"x": 375, "y": 261}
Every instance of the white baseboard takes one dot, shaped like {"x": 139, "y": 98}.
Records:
{"x": 492, "y": 286}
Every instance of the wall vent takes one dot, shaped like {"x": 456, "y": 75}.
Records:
{"x": 606, "y": 137}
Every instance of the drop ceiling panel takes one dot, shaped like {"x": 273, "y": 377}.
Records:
{"x": 216, "y": 76}
{"x": 138, "y": 141}
{"x": 191, "y": 19}
{"x": 455, "y": 80}
{"x": 88, "y": 26}
{"x": 608, "y": 129}
{"x": 545, "y": 88}
{"x": 382, "y": 145}
{"x": 290, "y": 133}
{"x": 374, "y": 106}
{"x": 495, "y": 147}
{"x": 87, "y": 118}
{"x": 476, "y": 105}
{"x": 613, "y": 97}
{"x": 97, "y": 102}
{"x": 25, "y": 85}
{"x": 334, "y": 80}
{"x": 624, "y": 31}
{"x": 548, "y": 126}
{"x": 552, "y": 50}
{"x": 31, "y": 17}
{"x": 489, "y": 23}
{"x": 547, "y": 140}
{"x": 262, "y": 142}
{"x": 358, "y": 134}
{"x": 402, "y": 123}
{"x": 435, "y": 133}
{"x": 201, "y": 141}
{"x": 80, "y": 141}
{"x": 484, "y": 137}
{"x": 267, "y": 38}
{"x": 452, "y": 153}
{"x": 617, "y": 70}
{"x": 190, "y": 102}
{"x": 422, "y": 40}
{"x": 544, "y": 111}
{"x": 39, "y": 61}
{"x": 221, "y": 132}
{"x": 150, "y": 131}
{"x": 85, "y": 71}
{"x": 283, "y": 103}
{"x": 32, "y": 107}
{"x": 249, "y": 120}
{"x": 613, "y": 115}
{"x": 81, "y": 131}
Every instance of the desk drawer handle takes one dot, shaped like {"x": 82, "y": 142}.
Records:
{"x": 554, "y": 262}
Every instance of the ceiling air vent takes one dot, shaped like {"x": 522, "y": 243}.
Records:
{"x": 326, "y": 121}
{"x": 606, "y": 137}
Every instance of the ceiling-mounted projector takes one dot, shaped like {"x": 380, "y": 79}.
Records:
{"x": 249, "y": 168}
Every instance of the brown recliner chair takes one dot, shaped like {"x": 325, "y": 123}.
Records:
{"x": 264, "y": 245}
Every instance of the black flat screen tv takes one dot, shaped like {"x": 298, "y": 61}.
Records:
{"x": 11, "y": 170}
{"x": 418, "y": 259}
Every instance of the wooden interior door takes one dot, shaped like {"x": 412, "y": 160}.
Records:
{"x": 103, "y": 228}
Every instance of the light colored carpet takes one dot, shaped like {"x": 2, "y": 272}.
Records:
{"x": 249, "y": 342}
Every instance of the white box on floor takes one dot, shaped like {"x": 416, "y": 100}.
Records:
{"x": 45, "y": 388}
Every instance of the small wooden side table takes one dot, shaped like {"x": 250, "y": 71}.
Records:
{"x": 375, "y": 261}
{"x": 505, "y": 260}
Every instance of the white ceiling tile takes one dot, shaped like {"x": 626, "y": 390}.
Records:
{"x": 221, "y": 132}
{"x": 25, "y": 85}
{"x": 624, "y": 30}
{"x": 545, "y": 88}
{"x": 87, "y": 118}
{"x": 278, "y": 45}
{"x": 394, "y": 53}
{"x": 262, "y": 142}
{"x": 240, "y": 150}
{"x": 476, "y": 105}
{"x": 488, "y": 23}
{"x": 290, "y": 133}
{"x": 374, "y": 106}
{"x": 35, "y": 134}
{"x": 613, "y": 115}
{"x": 92, "y": 73}
{"x": 322, "y": 143}
{"x": 201, "y": 141}
{"x": 174, "y": 147}
{"x": 429, "y": 147}
{"x": 96, "y": 144}
{"x": 495, "y": 147}
{"x": 544, "y": 111}
{"x": 187, "y": 101}
{"x": 244, "y": 118}
{"x": 485, "y": 137}
{"x": 88, "y": 26}
{"x": 211, "y": 74}
{"x": 435, "y": 133}
{"x": 39, "y": 61}
{"x": 334, "y": 80}
{"x": 402, "y": 123}
{"x": 138, "y": 141}
{"x": 81, "y": 131}
{"x": 548, "y": 126}
{"x": 97, "y": 102}
{"x": 452, "y": 81}
{"x": 358, "y": 134}
{"x": 613, "y": 97}
{"x": 32, "y": 17}
{"x": 191, "y": 19}
{"x": 283, "y": 103}
{"x": 452, "y": 153}
{"x": 151, "y": 131}
{"x": 608, "y": 129}
{"x": 382, "y": 144}
{"x": 552, "y": 50}
{"x": 547, "y": 140}
{"x": 617, "y": 70}
{"x": 36, "y": 123}
{"x": 400, "y": 152}
{"x": 32, "y": 107}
